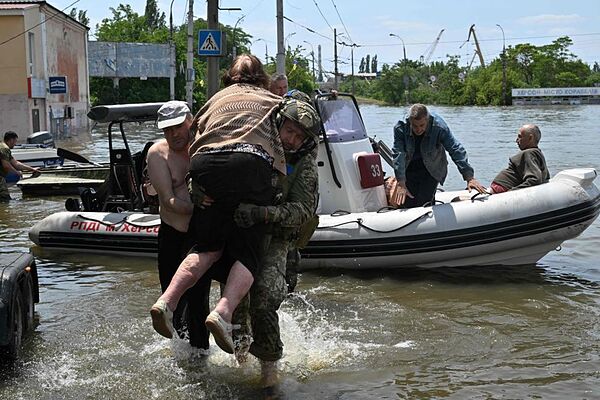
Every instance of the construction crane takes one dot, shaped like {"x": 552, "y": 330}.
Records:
{"x": 429, "y": 52}
{"x": 477, "y": 48}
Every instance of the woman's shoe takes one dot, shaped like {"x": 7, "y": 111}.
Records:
{"x": 221, "y": 331}
{"x": 162, "y": 318}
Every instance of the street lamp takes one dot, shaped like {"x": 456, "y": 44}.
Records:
{"x": 287, "y": 37}
{"x": 503, "y": 66}
{"x": 352, "y": 45}
{"x": 406, "y": 80}
{"x": 266, "y": 50}
{"x": 312, "y": 53}
{"x": 234, "y": 48}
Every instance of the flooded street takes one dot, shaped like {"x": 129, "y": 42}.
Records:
{"x": 531, "y": 331}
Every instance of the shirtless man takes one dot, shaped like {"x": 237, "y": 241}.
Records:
{"x": 168, "y": 164}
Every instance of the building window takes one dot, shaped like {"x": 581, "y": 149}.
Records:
{"x": 31, "y": 54}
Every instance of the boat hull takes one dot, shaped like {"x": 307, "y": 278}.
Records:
{"x": 518, "y": 227}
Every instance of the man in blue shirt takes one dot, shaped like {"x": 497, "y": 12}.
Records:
{"x": 420, "y": 163}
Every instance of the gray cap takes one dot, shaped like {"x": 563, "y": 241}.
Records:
{"x": 172, "y": 113}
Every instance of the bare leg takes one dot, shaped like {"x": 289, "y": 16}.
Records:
{"x": 238, "y": 284}
{"x": 218, "y": 321}
{"x": 189, "y": 272}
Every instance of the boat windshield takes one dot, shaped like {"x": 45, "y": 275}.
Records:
{"x": 341, "y": 120}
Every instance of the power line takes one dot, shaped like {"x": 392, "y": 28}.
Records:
{"x": 485, "y": 40}
{"x": 36, "y": 25}
{"x": 318, "y": 8}
{"x": 340, "y": 17}
{"x": 307, "y": 28}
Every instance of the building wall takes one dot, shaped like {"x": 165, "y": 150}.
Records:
{"x": 66, "y": 55}
{"x": 59, "y": 48}
{"x": 13, "y": 77}
{"x": 13, "y": 68}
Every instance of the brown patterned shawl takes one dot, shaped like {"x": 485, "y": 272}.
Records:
{"x": 240, "y": 113}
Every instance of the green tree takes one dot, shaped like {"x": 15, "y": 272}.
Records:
{"x": 80, "y": 16}
{"x": 154, "y": 18}
{"x": 297, "y": 70}
{"x": 125, "y": 26}
{"x": 551, "y": 65}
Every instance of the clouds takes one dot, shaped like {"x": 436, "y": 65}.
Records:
{"x": 551, "y": 20}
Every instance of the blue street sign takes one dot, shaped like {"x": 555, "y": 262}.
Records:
{"x": 57, "y": 84}
{"x": 209, "y": 42}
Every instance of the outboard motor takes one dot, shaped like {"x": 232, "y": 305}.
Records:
{"x": 41, "y": 138}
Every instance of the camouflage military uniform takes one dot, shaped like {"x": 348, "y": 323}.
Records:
{"x": 5, "y": 154}
{"x": 300, "y": 194}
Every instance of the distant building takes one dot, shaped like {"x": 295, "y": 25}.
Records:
{"x": 543, "y": 96}
{"x": 362, "y": 75}
{"x": 44, "y": 82}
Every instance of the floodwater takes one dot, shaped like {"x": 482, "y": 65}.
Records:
{"x": 531, "y": 331}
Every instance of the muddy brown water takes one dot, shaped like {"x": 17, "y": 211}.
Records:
{"x": 530, "y": 331}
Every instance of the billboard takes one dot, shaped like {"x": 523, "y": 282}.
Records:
{"x": 129, "y": 60}
{"x": 550, "y": 92}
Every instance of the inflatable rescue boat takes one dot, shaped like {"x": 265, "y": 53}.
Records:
{"x": 357, "y": 229}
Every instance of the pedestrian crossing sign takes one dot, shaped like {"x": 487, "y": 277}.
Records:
{"x": 209, "y": 42}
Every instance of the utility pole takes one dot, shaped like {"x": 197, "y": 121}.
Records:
{"x": 171, "y": 55}
{"x": 212, "y": 63}
{"x": 320, "y": 77}
{"x": 352, "y": 60}
{"x": 312, "y": 53}
{"x": 189, "y": 75}
{"x": 280, "y": 40}
{"x": 335, "y": 60}
{"x": 503, "y": 66}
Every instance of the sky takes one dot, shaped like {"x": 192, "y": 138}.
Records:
{"x": 369, "y": 23}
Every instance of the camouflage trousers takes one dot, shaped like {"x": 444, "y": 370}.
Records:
{"x": 266, "y": 295}
{"x": 291, "y": 268}
{"x": 4, "y": 195}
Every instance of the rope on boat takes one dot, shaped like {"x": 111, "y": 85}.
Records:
{"x": 359, "y": 222}
{"x": 124, "y": 220}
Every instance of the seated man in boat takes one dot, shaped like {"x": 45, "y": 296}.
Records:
{"x": 168, "y": 164}
{"x": 527, "y": 167}
{"x": 420, "y": 163}
{"x": 9, "y": 164}
{"x": 236, "y": 152}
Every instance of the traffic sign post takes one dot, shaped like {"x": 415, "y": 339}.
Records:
{"x": 210, "y": 42}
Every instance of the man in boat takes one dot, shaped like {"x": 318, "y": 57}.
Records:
{"x": 279, "y": 84}
{"x": 234, "y": 156}
{"x": 168, "y": 163}
{"x": 527, "y": 167}
{"x": 420, "y": 163}
{"x": 10, "y": 164}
